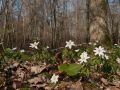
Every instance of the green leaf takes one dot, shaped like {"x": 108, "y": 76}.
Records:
{"x": 85, "y": 71}
{"x": 70, "y": 69}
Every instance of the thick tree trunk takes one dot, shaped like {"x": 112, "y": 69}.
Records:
{"x": 98, "y": 22}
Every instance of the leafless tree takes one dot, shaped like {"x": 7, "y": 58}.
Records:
{"x": 53, "y": 22}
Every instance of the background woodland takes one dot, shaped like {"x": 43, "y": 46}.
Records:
{"x": 53, "y": 22}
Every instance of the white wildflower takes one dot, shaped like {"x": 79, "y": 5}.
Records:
{"x": 99, "y": 51}
{"x": 22, "y": 50}
{"x": 69, "y": 44}
{"x": 14, "y": 48}
{"x": 77, "y": 50}
{"x": 90, "y": 43}
{"x": 34, "y": 45}
{"x": 95, "y": 44}
{"x": 115, "y": 44}
{"x": 84, "y": 56}
{"x": 106, "y": 57}
{"x": 54, "y": 78}
{"x": 47, "y": 47}
{"x": 118, "y": 60}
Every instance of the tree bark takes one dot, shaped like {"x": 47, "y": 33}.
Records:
{"x": 98, "y": 22}
{"x": 88, "y": 20}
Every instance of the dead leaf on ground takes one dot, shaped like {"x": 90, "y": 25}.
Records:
{"x": 112, "y": 88}
{"x": 35, "y": 80}
{"x": 64, "y": 86}
{"x": 104, "y": 81}
{"x": 77, "y": 86}
{"x": 116, "y": 83}
{"x": 16, "y": 84}
{"x": 37, "y": 69}
{"x": 38, "y": 85}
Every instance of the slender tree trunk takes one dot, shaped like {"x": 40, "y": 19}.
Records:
{"x": 88, "y": 20}
{"x": 54, "y": 28}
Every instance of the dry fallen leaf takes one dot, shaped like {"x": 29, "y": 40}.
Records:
{"x": 104, "y": 81}
{"x": 58, "y": 58}
{"x": 37, "y": 69}
{"x": 15, "y": 64}
{"x": 16, "y": 84}
{"x": 112, "y": 88}
{"x": 77, "y": 86}
{"x": 38, "y": 85}
{"x": 64, "y": 86}
{"x": 116, "y": 83}
{"x": 35, "y": 80}
{"x": 2, "y": 81}
{"x": 48, "y": 88}
{"x": 20, "y": 73}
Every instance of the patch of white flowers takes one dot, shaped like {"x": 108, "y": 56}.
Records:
{"x": 83, "y": 57}
{"x": 34, "y": 45}
{"x": 54, "y": 78}
{"x": 69, "y": 44}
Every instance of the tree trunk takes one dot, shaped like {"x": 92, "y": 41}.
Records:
{"x": 98, "y": 22}
{"x": 88, "y": 20}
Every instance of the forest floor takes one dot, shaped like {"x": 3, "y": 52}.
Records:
{"x": 79, "y": 68}
{"x": 19, "y": 76}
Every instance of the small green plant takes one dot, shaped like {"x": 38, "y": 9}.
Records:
{"x": 68, "y": 54}
{"x": 9, "y": 53}
{"x": 44, "y": 55}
